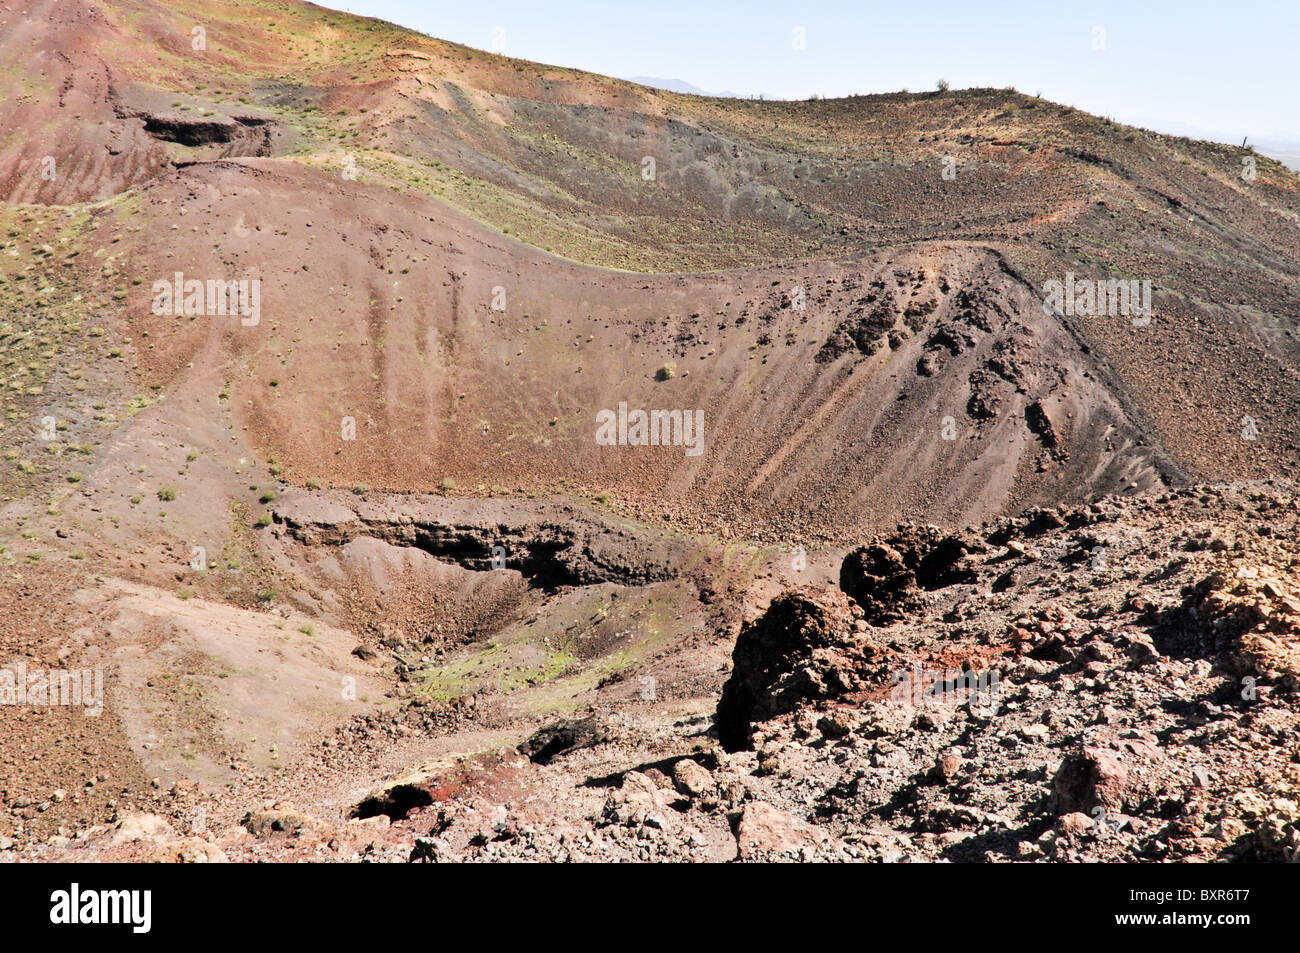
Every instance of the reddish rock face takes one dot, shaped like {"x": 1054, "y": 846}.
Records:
{"x": 1111, "y": 776}
{"x": 1252, "y": 618}
{"x": 765, "y": 833}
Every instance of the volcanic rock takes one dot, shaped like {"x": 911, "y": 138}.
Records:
{"x": 887, "y": 577}
{"x": 563, "y": 737}
{"x": 804, "y": 648}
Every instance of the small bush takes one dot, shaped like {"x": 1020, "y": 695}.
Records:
{"x": 167, "y": 494}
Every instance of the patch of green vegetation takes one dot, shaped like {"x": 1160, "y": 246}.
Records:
{"x": 683, "y": 237}
{"x": 506, "y": 668}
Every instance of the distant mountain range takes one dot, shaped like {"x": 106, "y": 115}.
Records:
{"x": 681, "y": 86}
{"x": 1284, "y": 151}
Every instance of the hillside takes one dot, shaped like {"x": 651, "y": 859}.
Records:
{"x": 386, "y": 468}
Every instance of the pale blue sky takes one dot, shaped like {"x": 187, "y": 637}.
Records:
{"x": 1219, "y": 68}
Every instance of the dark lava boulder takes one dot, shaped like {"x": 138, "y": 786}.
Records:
{"x": 562, "y": 737}
{"x": 809, "y": 645}
{"x": 889, "y": 576}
